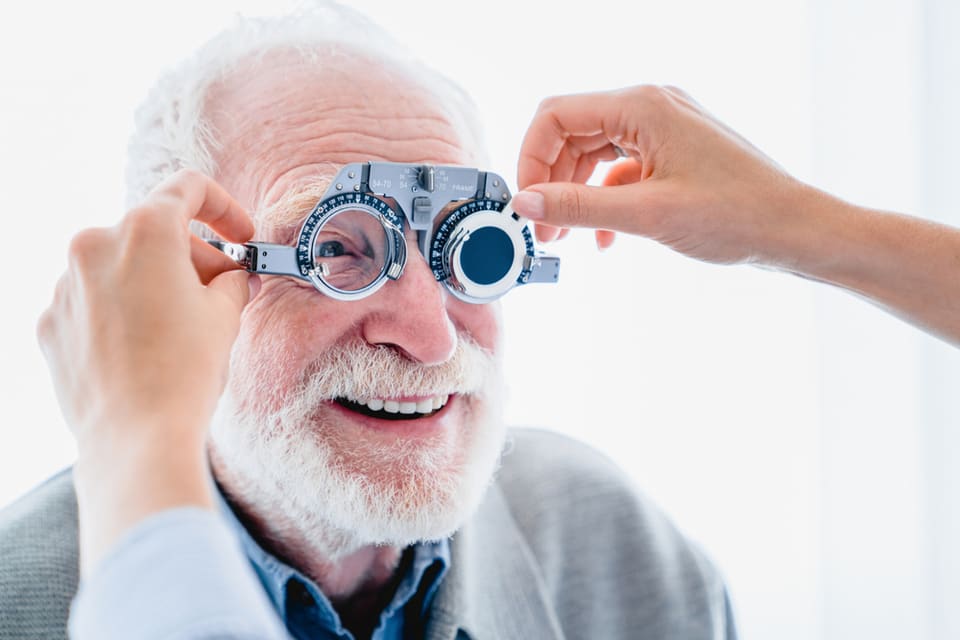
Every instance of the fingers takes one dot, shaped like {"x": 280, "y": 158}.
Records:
{"x": 626, "y": 208}
{"x": 158, "y": 226}
{"x": 575, "y": 168}
{"x": 626, "y": 172}
{"x": 689, "y": 181}
{"x": 209, "y": 261}
{"x": 557, "y": 121}
{"x": 47, "y": 326}
{"x": 237, "y": 288}
{"x": 605, "y": 238}
{"x": 629, "y": 119}
{"x": 568, "y": 137}
{"x": 548, "y": 232}
{"x": 579, "y": 156}
{"x": 190, "y": 195}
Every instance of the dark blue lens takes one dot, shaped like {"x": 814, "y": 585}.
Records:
{"x": 487, "y": 256}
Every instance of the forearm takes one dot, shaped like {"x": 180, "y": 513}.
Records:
{"x": 908, "y": 266}
{"x": 121, "y": 482}
{"x": 157, "y": 560}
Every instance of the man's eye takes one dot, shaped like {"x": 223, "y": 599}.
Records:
{"x": 330, "y": 249}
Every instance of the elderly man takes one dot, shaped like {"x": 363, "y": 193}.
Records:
{"x": 355, "y": 524}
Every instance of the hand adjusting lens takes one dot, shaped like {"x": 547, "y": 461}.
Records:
{"x": 352, "y": 242}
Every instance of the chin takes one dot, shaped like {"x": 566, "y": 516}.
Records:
{"x": 311, "y": 474}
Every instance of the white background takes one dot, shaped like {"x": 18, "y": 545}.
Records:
{"x": 806, "y": 440}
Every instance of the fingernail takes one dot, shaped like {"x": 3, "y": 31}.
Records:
{"x": 254, "y": 283}
{"x": 529, "y": 204}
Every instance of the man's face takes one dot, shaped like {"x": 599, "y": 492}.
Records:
{"x": 284, "y": 443}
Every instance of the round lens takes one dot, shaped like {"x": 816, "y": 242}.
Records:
{"x": 487, "y": 256}
{"x": 350, "y": 250}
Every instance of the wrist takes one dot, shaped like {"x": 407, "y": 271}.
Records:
{"x": 142, "y": 471}
{"x": 817, "y": 234}
{"x": 855, "y": 248}
{"x": 154, "y": 474}
{"x": 122, "y": 484}
{"x": 108, "y": 430}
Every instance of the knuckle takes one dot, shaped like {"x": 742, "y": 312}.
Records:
{"x": 150, "y": 218}
{"x": 188, "y": 173}
{"x": 651, "y": 109}
{"x": 84, "y": 245}
{"x": 182, "y": 178}
{"x": 141, "y": 219}
{"x": 177, "y": 186}
{"x": 650, "y": 94}
{"x": 548, "y": 104}
{"x": 170, "y": 196}
{"x": 140, "y": 215}
{"x": 551, "y": 109}
{"x": 680, "y": 94}
{"x": 44, "y": 328}
{"x": 144, "y": 224}
{"x": 572, "y": 207}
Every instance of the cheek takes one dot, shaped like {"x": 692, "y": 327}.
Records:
{"x": 479, "y": 321}
{"x": 284, "y": 330}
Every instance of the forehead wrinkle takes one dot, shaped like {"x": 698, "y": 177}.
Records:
{"x": 269, "y": 123}
{"x": 360, "y": 141}
{"x": 415, "y": 142}
{"x": 280, "y": 156}
{"x": 297, "y": 200}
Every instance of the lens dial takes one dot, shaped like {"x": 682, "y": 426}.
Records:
{"x": 350, "y": 244}
{"x": 480, "y": 252}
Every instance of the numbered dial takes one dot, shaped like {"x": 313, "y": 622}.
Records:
{"x": 480, "y": 253}
{"x": 350, "y": 244}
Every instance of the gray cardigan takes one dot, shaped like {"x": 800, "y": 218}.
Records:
{"x": 562, "y": 547}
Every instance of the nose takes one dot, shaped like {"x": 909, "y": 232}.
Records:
{"x": 410, "y": 313}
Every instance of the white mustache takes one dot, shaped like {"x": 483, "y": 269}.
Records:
{"x": 360, "y": 370}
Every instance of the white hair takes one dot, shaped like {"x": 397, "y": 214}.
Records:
{"x": 171, "y": 131}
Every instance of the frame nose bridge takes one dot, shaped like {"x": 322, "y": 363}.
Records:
{"x": 416, "y": 254}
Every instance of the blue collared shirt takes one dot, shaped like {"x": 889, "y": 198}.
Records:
{"x": 308, "y": 613}
{"x": 191, "y": 573}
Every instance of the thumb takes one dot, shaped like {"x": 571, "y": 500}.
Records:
{"x": 238, "y": 286}
{"x": 568, "y": 204}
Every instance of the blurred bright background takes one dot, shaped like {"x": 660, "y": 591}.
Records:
{"x": 808, "y": 441}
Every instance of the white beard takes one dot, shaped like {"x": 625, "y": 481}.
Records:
{"x": 300, "y": 480}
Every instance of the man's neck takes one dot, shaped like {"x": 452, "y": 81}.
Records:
{"x": 363, "y": 572}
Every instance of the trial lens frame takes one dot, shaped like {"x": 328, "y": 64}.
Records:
{"x": 416, "y": 195}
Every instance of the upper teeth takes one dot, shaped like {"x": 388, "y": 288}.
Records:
{"x": 427, "y": 405}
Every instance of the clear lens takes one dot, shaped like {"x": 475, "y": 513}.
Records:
{"x": 350, "y": 250}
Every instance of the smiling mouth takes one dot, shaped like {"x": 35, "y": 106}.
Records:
{"x": 385, "y": 409}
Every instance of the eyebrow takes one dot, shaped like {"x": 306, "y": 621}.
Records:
{"x": 292, "y": 207}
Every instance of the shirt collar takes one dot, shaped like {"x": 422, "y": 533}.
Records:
{"x": 276, "y": 575}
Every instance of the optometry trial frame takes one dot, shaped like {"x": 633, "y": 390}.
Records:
{"x": 352, "y": 241}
